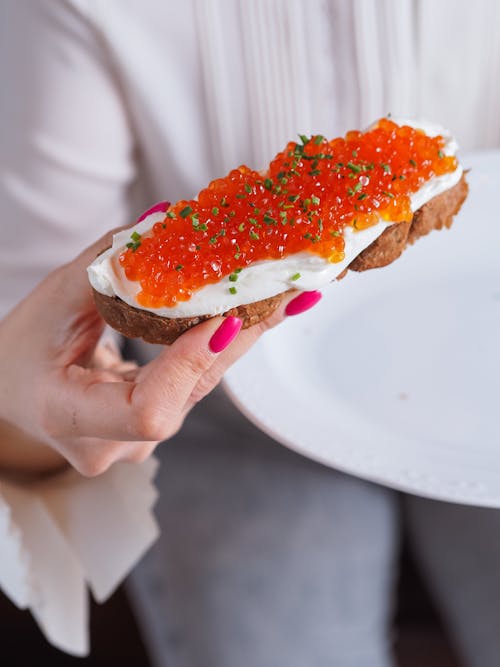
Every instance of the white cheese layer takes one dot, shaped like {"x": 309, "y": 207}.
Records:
{"x": 266, "y": 278}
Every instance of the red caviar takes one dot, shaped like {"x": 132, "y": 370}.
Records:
{"x": 312, "y": 190}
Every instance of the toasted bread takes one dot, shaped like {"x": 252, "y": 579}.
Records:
{"x": 137, "y": 323}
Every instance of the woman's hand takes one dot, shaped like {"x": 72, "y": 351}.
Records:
{"x": 63, "y": 391}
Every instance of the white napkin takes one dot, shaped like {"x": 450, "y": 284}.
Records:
{"x": 61, "y": 534}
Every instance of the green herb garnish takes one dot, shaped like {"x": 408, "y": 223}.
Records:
{"x": 186, "y": 211}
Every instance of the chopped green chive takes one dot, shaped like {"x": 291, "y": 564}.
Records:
{"x": 413, "y": 163}
{"x": 248, "y": 188}
{"x": 319, "y": 139}
{"x": 240, "y": 195}
{"x": 440, "y": 155}
{"x": 254, "y": 235}
{"x": 241, "y": 226}
{"x": 389, "y": 194}
{"x": 293, "y": 198}
{"x": 362, "y": 196}
{"x": 135, "y": 243}
{"x": 268, "y": 184}
{"x": 186, "y": 211}
{"x": 315, "y": 200}
{"x": 386, "y": 167}
{"x": 215, "y": 210}
{"x": 170, "y": 214}
{"x": 233, "y": 290}
{"x": 303, "y": 139}
{"x": 179, "y": 267}
{"x": 354, "y": 167}
{"x": 295, "y": 276}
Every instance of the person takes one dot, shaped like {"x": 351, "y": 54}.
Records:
{"x": 265, "y": 557}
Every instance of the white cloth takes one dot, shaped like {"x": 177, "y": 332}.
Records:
{"x": 108, "y": 105}
{"x": 66, "y": 532}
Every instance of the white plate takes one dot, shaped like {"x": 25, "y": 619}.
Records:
{"x": 395, "y": 375}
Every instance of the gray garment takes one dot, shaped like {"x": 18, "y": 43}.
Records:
{"x": 268, "y": 559}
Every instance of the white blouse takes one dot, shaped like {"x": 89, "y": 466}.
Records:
{"x": 109, "y": 105}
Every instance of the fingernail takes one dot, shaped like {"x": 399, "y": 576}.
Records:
{"x": 225, "y": 334}
{"x": 157, "y": 208}
{"x": 303, "y": 302}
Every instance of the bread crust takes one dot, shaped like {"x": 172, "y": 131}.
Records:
{"x": 136, "y": 323}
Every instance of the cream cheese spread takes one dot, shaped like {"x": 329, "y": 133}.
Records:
{"x": 265, "y": 278}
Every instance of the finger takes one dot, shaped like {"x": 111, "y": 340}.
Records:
{"x": 93, "y": 456}
{"x": 170, "y": 379}
{"x": 245, "y": 340}
{"x": 95, "y": 404}
{"x": 107, "y": 356}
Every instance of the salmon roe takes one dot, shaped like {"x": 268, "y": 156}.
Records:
{"x": 311, "y": 192}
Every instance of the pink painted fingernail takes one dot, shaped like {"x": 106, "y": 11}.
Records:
{"x": 225, "y": 334}
{"x": 157, "y": 208}
{"x": 303, "y": 302}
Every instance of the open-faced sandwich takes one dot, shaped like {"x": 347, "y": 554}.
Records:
{"x": 321, "y": 208}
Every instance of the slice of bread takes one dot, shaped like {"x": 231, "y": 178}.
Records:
{"x": 136, "y": 323}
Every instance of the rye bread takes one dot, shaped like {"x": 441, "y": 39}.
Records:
{"x": 135, "y": 323}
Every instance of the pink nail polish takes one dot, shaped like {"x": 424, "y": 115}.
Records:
{"x": 303, "y": 302}
{"x": 157, "y": 208}
{"x": 225, "y": 334}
